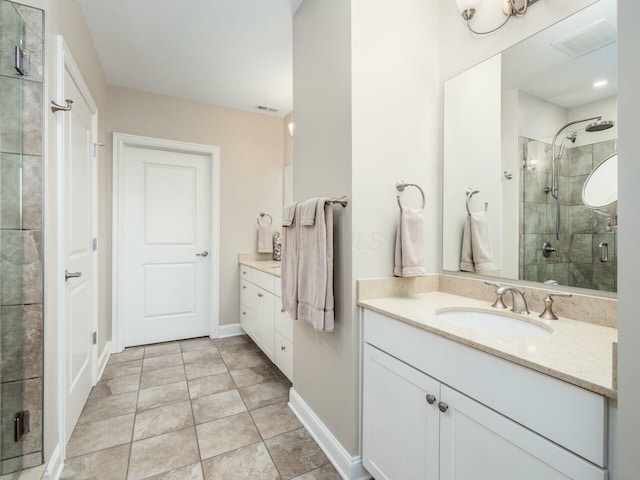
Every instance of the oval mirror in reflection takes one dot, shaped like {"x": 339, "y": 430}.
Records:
{"x": 600, "y": 191}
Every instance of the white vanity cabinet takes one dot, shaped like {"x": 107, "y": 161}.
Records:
{"x": 434, "y": 409}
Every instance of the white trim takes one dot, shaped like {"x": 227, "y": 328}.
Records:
{"x": 120, "y": 142}
{"x": 102, "y": 361}
{"x": 232, "y": 330}
{"x": 349, "y": 467}
{"x": 55, "y": 465}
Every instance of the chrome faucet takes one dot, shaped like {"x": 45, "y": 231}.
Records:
{"x": 519, "y": 303}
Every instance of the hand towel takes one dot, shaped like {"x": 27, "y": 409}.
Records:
{"x": 289, "y": 267}
{"x": 409, "y": 254}
{"x": 315, "y": 269}
{"x": 476, "y": 254}
{"x": 265, "y": 239}
{"x": 308, "y": 210}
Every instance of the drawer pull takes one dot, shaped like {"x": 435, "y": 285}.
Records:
{"x": 260, "y": 295}
{"x": 443, "y": 407}
{"x": 283, "y": 348}
{"x": 431, "y": 399}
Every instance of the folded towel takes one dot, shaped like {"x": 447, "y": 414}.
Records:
{"x": 409, "y": 255}
{"x": 476, "y": 252}
{"x": 265, "y": 239}
{"x": 289, "y": 267}
{"x": 315, "y": 268}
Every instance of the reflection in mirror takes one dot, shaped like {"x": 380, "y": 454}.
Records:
{"x": 526, "y": 129}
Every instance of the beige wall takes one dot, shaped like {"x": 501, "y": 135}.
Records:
{"x": 288, "y": 140}
{"x": 251, "y": 163}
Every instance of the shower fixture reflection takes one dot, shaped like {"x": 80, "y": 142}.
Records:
{"x": 597, "y": 124}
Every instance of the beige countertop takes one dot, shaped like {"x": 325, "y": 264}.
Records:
{"x": 576, "y": 352}
{"x": 266, "y": 266}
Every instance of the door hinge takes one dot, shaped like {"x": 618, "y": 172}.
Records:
{"x": 94, "y": 244}
{"x": 94, "y": 148}
{"x": 21, "y": 424}
{"x": 95, "y": 338}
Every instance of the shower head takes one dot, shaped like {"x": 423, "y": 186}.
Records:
{"x": 599, "y": 125}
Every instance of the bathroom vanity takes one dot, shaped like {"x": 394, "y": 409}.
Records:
{"x": 444, "y": 401}
{"x": 261, "y": 314}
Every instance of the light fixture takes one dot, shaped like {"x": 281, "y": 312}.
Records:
{"x": 600, "y": 83}
{"x": 510, "y": 8}
{"x": 290, "y": 129}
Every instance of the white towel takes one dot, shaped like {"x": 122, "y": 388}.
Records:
{"x": 476, "y": 252}
{"x": 315, "y": 265}
{"x": 265, "y": 239}
{"x": 409, "y": 254}
{"x": 289, "y": 267}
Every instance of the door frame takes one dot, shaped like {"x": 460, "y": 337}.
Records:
{"x": 64, "y": 62}
{"x": 120, "y": 142}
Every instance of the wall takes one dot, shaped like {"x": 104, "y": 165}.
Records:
{"x": 288, "y": 140}
{"x": 251, "y": 162}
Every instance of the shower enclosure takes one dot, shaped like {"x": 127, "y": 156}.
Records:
{"x": 21, "y": 292}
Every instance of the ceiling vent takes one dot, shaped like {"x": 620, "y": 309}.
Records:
{"x": 587, "y": 39}
{"x": 264, "y": 108}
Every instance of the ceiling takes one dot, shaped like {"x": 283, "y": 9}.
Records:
{"x": 233, "y": 53}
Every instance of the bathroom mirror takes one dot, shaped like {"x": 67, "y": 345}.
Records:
{"x": 525, "y": 129}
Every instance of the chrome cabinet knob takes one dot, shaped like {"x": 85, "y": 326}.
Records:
{"x": 443, "y": 407}
{"x": 244, "y": 313}
{"x": 431, "y": 399}
{"x": 283, "y": 348}
{"x": 202, "y": 254}
{"x": 260, "y": 295}
{"x": 282, "y": 310}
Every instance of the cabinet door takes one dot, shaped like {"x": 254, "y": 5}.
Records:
{"x": 283, "y": 355}
{"x": 479, "y": 443}
{"x": 267, "y": 320}
{"x": 400, "y": 428}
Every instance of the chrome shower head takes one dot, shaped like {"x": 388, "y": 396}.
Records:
{"x": 599, "y": 126}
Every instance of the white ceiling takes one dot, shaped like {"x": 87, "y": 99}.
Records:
{"x": 233, "y": 53}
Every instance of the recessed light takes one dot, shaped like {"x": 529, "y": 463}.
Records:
{"x": 600, "y": 83}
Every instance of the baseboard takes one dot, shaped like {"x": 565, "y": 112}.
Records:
{"x": 349, "y": 467}
{"x": 103, "y": 359}
{"x": 232, "y": 330}
{"x": 55, "y": 465}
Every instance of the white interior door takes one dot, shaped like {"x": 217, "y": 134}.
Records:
{"x": 78, "y": 135}
{"x": 166, "y": 246}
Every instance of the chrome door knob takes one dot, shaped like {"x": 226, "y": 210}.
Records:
{"x": 202, "y": 254}
{"x": 431, "y": 399}
{"x": 443, "y": 407}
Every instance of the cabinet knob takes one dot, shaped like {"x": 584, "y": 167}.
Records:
{"x": 282, "y": 310}
{"x": 244, "y": 286}
{"x": 260, "y": 295}
{"x": 443, "y": 407}
{"x": 244, "y": 313}
{"x": 283, "y": 348}
{"x": 431, "y": 399}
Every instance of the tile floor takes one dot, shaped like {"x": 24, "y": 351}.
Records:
{"x": 197, "y": 409}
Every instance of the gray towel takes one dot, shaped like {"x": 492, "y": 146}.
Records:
{"x": 409, "y": 254}
{"x": 289, "y": 267}
{"x": 476, "y": 254}
{"x": 265, "y": 239}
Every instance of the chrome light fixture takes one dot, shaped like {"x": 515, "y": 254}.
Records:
{"x": 510, "y": 8}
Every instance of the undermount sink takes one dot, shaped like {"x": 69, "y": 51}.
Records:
{"x": 494, "y": 323}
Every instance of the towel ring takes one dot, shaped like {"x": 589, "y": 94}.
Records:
{"x": 470, "y": 193}
{"x": 264, "y": 215}
{"x": 401, "y": 185}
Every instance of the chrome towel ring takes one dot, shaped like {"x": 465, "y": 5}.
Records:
{"x": 264, "y": 215}
{"x": 401, "y": 185}
{"x": 470, "y": 193}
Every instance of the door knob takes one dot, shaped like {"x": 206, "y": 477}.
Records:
{"x": 202, "y": 254}
{"x": 431, "y": 399}
{"x": 443, "y": 407}
{"x": 68, "y": 275}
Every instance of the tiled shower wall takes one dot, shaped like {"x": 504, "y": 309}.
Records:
{"x": 581, "y": 229}
{"x": 21, "y": 290}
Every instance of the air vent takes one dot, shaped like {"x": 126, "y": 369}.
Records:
{"x": 264, "y": 108}
{"x": 587, "y": 39}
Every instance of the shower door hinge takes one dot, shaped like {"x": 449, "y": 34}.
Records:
{"x": 21, "y": 424}
{"x": 22, "y": 61}
{"x": 95, "y": 338}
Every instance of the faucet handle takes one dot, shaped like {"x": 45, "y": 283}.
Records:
{"x": 548, "y": 304}
{"x": 498, "y": 303}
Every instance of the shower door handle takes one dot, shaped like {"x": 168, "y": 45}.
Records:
{"x": 202, "y": 254}
{"x": 604, "y": 251}
{"x": 68, "y": 275}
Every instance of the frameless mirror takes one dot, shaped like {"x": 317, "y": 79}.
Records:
{"x": 524, "y": 130}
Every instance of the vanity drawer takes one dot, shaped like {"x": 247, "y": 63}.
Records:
{"x": 284, "y": 323}
{"x": 284, "y": 355}
{"x": 265, "y": 281}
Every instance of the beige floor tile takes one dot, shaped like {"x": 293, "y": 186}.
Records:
{"x": 165, "y": 361}
{"x": 191, "y": 472}
{"x": 128, "y": 354}
{"x": 106, "y": 407}
{"x": 163, "y": 376}
{"x": 201, "y": 387}
{"x": 109, "y": 464}
{"x": 162, "y": 420}
{"x": 295, "y": 453}
{"x": 243, "y": 359}
{"x": 161, "y": 349}
{"x": 253, "y": 376}
{"x": 217, "y": 406}
{"x": 204, "y": 368}
{"x": 204, "y": 354}
{"x": 91, "y": 437}
{"x": 196, "y": 344}
{"x": 323, "y": 473}
{"x": 121, "y": 369}
{"x": 275, "y": 419}
{"x": 163, "y": 453}
{"x": 226, "y": 434}
{"x": 263, "y": 394}
{"x": 231, "y": 340}
{"x": 251, "y": 462}
{"x": 115, "y": 386}
{"x": 162, "y": 395}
